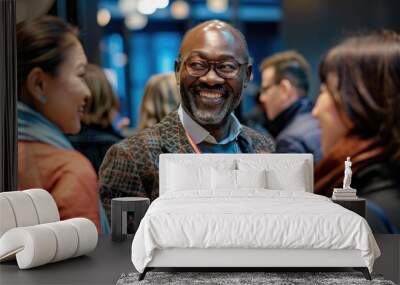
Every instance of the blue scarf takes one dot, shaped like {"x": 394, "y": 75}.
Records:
{"x": 32, "y": 126}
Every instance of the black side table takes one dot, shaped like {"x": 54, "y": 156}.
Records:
{"x": 126, "y": 214}
{"x": 356, "y": 205}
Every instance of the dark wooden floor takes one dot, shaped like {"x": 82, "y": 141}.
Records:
{"x": 106, "y": 264}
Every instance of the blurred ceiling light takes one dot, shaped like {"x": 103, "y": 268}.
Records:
{"x": 127, "y": 6}
{"x": 135, "y": 21}
{"x": 180, "y": 9}
{"x": 103, "y": 17}
{"x": 147, "y": 7}
{"x": 120, "y": 59}
{"x": 161, "y": 4}
{"x": 217, "y": 6}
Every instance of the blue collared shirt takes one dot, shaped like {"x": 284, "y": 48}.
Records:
{"x": 205, "y": 141}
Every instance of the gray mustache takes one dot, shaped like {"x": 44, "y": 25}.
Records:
{"x": 219, "y": 89}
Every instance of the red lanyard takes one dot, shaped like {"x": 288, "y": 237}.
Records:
{"x": 194, "y": 146}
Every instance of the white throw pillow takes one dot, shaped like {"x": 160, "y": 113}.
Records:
{"x": 281, "y": 174}
{"x": 251, "y": 178}
{"x": 226, "y": 179}
{"x": 223, "y": 179}
{"x": 278, "y": 180}
{"x": 183, "y": 177}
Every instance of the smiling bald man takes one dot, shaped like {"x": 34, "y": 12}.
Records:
{"x": 212, "y": 69}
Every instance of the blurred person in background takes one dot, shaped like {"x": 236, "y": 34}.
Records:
{"x": 160, "y": 97}
{"x": 51, "y": 98}
{"x": 256, "y": 118}
{"x": 359, "y": 113}
{"x": 284, "y": 88}
{"x": 97, "y": 133}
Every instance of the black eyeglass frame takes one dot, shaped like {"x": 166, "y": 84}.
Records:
{"x": 212, "y": 64}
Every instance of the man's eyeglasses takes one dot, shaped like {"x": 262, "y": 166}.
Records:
{"x": 227, "y": 69}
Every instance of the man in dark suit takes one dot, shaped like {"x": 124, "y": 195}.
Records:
{"x": 284, "y": 88}
{"x": 212, "y": 69}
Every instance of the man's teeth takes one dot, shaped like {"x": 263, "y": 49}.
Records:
{"x": 210, "y": 94}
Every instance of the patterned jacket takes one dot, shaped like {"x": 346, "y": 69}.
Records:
{"x": 130, "y": 167}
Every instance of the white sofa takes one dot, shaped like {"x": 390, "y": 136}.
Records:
{"x": 31, "y": 231}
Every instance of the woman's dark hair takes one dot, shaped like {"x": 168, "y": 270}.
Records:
{"x": 368, "y": 90}
{"x": 42, "y": 42}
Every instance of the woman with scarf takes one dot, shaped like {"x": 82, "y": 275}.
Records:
{"x": 51, "y": 100}
{"x": 359, "y": 113}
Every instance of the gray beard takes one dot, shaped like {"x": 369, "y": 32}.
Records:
{"x": 206, "y": 117}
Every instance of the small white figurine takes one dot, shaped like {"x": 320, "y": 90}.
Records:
{"x": 347, "y": 174}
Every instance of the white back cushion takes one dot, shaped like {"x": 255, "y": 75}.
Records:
{"x": 288, "y": 170}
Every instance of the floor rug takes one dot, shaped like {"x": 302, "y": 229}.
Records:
{"x": 244, "y": 278}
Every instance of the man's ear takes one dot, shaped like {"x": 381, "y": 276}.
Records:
{"x": 286, "y": 88}
{"x": 35, "y": 83}
{"x": 249, "y": 73}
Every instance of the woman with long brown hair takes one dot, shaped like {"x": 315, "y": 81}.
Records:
{"x": 359, "y": 113}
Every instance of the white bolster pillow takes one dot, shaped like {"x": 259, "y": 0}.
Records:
{"x": 26, "y": 208}
{"x": 40, "y": 244}
{"x": 33, "y": 246}
{"x": 22, "y": 207}
{"x": 67, "y": 240}
{"x": 87, "y": 235}
{"x": 46, "y": 207}
{"x": 7, "y": 218}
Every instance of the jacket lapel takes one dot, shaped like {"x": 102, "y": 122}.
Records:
{"x": 174, "y": 139}
{"x": 245, "y": 142}
{"x": 173, "y": 136}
